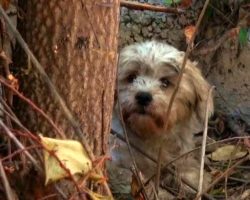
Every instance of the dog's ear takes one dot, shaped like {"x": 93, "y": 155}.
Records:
{"x": 201, "y": 87}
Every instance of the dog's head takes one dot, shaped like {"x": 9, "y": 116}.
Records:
{"x": 147, "y": 76}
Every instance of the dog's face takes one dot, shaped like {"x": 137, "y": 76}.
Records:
{"x": 147, "y": 75}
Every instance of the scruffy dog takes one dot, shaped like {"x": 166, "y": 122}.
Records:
{"x": 147, "y": 75}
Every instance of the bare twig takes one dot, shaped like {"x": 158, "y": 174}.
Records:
{"x": 146, "y": 6}
{"x": 186, "y": 182}
{"x": 204, "y": 141}
{"x": 35, "y": 107}
{"x": 19, "y": 151}
{"x": 158, "y": 172}
{"x": 8, "y": 191}
{"x": 16, "y": 120}
{"x": 130, "y": 150}
{"x": 221, "y": 176}
{"x": 20, "y": 145}
{"x": 221, "y": 14}
{"x": 213, "y": 47}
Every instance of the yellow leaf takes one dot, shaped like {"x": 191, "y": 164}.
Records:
{"x": 71, "y": 154}
{"x": 228, "y": 152}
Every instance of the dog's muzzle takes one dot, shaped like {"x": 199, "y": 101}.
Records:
{"x": 143, "y": 98}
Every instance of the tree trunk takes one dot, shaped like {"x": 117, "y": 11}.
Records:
{"x": 76, "y": 43}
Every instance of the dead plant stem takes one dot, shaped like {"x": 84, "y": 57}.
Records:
{"x": 221, "y": 176}
{"x": 19, "y": 145}
{"x": 6, "y": 184}
{"x": 204, "y": 141}
{"x": 146, "y": 6}
{"x": 34, "y": 106}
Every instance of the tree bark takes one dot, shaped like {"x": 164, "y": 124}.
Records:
{"x": 76, "y": 43}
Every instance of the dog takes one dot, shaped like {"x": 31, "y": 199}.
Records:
{"x": 147, "y": 76}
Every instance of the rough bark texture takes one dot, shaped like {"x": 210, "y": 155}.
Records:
{"x": 76, "y": 43}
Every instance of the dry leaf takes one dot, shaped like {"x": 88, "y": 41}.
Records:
{"x": 189, "y": 31}
{"x": 228, "y": 152}
{"x": 71, "y": 154}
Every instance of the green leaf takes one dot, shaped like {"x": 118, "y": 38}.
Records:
{"x": 243, "y": 36}
{"x": 170, "y": 2}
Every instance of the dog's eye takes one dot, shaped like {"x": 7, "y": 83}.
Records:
{"x": 131, "y": 77}
{"x": 164, "y": 82}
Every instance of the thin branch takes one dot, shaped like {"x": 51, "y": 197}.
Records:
{"x": 20, "y": 145}
{"x": 221, "y": 176}
{"x": 204, "y": 141}
{"x": 35, "y": 107}
{"x": 186, "y": 182}
{"x": 130, "y": 150}
{"x": 145, "y": 6}
{"x": 14, "y": 119}
{"x": 158, "y": 172}
{"x": 216, "y": 44}
{"x": 6, "y": 184}
{"x": 19, "y": 151}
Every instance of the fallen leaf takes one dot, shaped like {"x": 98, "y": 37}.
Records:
{"x": 71, "y": 154}
{"x": 189, "y": 31}
{"x": 228, "y": 152}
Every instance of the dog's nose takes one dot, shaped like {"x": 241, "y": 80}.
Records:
{"x": 143, "y": 98}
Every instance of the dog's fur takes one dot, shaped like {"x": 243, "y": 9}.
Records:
{"x": 153, "y": 67}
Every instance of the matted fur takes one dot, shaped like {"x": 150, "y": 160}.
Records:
{"x": 153, "y": 67}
